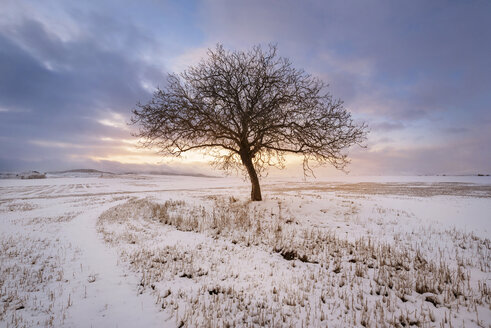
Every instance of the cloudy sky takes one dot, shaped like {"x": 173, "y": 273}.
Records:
{"x": 418, "y": 72}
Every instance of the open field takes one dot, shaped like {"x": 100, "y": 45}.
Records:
{"x": 156, "y": 251}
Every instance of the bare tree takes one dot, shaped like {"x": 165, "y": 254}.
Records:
{"x": 248, "y": 109}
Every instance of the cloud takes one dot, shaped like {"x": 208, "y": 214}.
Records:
{"x": 456, "y": 130}
{"x": 188, "y": 58}
{"x": 387, "y": 126}
{"x": 417, "y": 72}
{"x": 409, "y": 69}
{"x": 458, "y": 158}
{"x": 66, "y": 92}
{"x": 432, "y": 58}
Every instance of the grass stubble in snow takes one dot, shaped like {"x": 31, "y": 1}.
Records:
{"x": 79, "y": 252}
{"x": 221, "y": 262}
{"x": 31, "y": 272}
{"x": 55, "y": 271}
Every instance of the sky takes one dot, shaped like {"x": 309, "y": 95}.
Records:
{"x": 417, "y": 72}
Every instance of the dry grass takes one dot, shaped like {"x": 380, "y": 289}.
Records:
{"x": 231, "y": 275}
{"x": 414, "y": 189}
{"x": 31, "y": 282}
{"x": 17, "y": 207}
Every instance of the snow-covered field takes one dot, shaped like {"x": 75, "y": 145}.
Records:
{"x": 156, "y": 251}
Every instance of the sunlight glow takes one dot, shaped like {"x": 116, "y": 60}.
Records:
{"x": 114, "y": 120}
{"x": 130, "y": 153}
{"x": 134, "y": 142}
{"x": 130, "y": 159}
{"x": 55, "y": 144}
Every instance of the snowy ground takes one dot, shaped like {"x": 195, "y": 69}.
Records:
{"x": 150, "y": 251}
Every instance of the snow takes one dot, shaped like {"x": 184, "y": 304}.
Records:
{"x": 111, "y": 292}
{"x": 161, "y": 251}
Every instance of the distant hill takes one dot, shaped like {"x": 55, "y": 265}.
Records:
{"x": 198, "y": 175}
{"x": 93, "y": 171}
{"x": 23, "y": 175}
{"x": 82, "y": 171}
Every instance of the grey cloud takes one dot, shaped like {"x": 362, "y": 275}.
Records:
{"x": 387, "y": 126}
{"x": 456, "y": 130}
{"x": 464, "y": 158}
{"x": 57, "y": 90}
{"x": 428, "y": 67}
{"x": 426, "y": 56}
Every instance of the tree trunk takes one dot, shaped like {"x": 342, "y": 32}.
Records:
{"x": 256, "y": 189}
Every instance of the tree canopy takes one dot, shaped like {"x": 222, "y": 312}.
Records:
{"x": 248, "y": 109}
